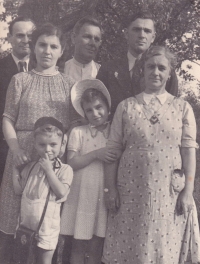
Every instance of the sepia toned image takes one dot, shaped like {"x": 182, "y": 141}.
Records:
{"x": 99, "y": 137}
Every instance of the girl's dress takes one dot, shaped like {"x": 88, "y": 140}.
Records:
{"x": 30, "y": 95}
{"x": 36, "y": 188}
{"x": 84, "y": 213}
{"x": 147, "y": 229}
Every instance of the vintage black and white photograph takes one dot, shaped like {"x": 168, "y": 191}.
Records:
{"x": 99, "y": 131}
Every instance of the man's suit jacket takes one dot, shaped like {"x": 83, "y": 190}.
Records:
{"x": 8, "y": 68}
{"x": 116, "y": 77}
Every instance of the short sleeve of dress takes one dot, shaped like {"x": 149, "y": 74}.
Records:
{"x": 69, "y": 82}
{"x": 115, "y": 139}
{"x": 188, "y": 139}
{"x": 13, "y": 97}
{"x": 74, "y": 142}
{"x": 65, "y": 176}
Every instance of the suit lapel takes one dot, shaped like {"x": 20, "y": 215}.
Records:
{"x": 11, "y": 67}
{"x": 123, "y": 76}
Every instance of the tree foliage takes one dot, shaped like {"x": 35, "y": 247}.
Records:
{"x": 177, "y": 22}
{"x": 177, "y": 25}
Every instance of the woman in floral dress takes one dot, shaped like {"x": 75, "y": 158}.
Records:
{"x": 43, "y": 91}
{"x": 152, "y": 217}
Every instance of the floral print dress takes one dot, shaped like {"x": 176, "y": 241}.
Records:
{"x": 30, "y": 95}
{"x": 146, "y": 228}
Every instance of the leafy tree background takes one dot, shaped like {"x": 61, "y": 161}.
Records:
{"x": 177, "y": 27}
{"x": 174, "y": 19}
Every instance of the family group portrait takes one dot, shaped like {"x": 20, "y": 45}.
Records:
{"x": 99, "y": 132}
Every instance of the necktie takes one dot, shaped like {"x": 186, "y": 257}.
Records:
{"x": 136, "y": 76}
{"x": 22, "y": 66}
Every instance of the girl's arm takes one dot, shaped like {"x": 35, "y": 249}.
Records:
{"x": 56, "y": 185}
{"x": 79, "y": 162}
{"x": 112, "y": 198}
{"x": 16, "y": 181}
{"x": 20, "y": 157}
{"x": 185, "y": 199}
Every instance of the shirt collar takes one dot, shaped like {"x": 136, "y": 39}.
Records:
{"x": 131, "y": 60}
{"x": 82, "y": 65}
{"x": 161, "y": 97}
{"x": 56, "y": 166}
{"x": 16, "y": 60}
{"x": 57, "y": 163}
{"x": 95, "y": 131}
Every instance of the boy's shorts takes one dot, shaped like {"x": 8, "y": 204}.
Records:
{"x": 50, "y": 241}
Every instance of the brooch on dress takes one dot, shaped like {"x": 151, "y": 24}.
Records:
{"x": 153, "y": 119}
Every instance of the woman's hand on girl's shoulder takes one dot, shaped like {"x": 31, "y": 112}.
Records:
{"x": 107, "y": 155}
{"x": 112, "y": 199}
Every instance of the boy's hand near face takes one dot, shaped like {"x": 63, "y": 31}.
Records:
{"x": 45, "y": 163}
{"x": 56, "y": 185}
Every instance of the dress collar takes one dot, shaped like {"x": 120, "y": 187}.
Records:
{"x": 46, "y": 74}
{"x": 161, "y": 97}
{"x": 95, "y": 131}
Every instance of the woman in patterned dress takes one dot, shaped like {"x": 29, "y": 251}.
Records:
{"x": 43, "y": 91}
{"x": 152, "y": 217}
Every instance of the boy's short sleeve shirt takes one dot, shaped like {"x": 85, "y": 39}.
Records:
{"x": 34, "y": 177}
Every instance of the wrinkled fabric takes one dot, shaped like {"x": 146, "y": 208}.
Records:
{"x": 146, "y": 228}
{"x": 30, "y": 95}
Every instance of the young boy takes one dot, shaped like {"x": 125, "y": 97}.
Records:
{"x": 34, "y": 183}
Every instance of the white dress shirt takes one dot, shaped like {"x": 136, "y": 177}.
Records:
{"x": 79, "y": 71}
{"x": 16, "y": 60}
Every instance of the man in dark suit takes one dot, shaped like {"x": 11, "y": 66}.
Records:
{"x": 20, "y": 30}
{"x": 19, "y": 36}
{"x": 122, "y": 76}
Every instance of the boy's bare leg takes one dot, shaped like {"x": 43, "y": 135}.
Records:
{"x": 44, "y": 256}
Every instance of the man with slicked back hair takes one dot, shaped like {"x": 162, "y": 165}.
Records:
{"x": 123, "y": 77}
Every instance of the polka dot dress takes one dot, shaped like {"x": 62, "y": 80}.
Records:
{"x": 146, "y": 229}
{"x": 30, "y": 95}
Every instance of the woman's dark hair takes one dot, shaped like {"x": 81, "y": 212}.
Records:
{"x": 49, "y": 29}
{"x": 92, "y": 94}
